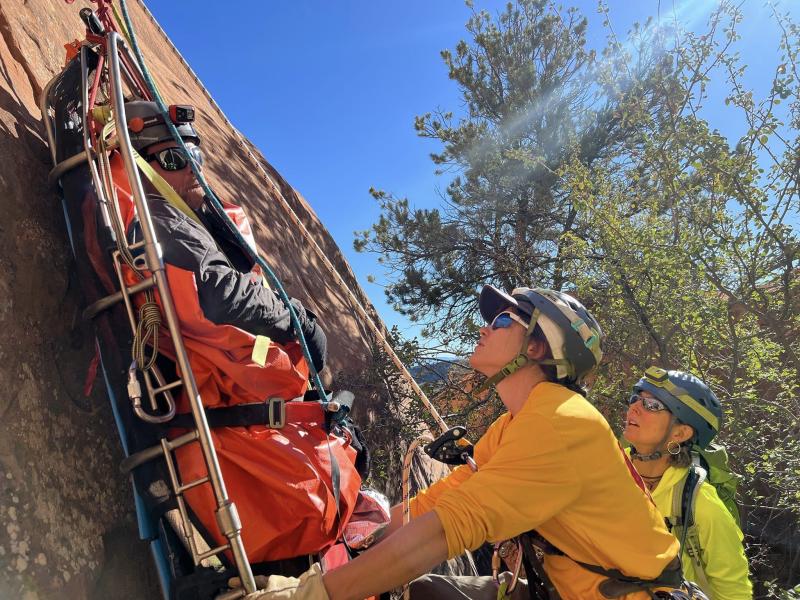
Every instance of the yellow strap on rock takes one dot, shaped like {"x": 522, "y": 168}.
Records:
{"x": 260, "y": 349}
{"x": 164, "y": 188}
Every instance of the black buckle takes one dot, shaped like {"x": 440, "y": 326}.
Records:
{"x": 276, "y": 412}
{"x": 451, "y": 447}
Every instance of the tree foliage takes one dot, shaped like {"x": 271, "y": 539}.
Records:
{"x": 600, "y": 174}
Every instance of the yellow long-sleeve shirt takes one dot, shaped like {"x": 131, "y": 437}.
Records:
{"x": 555, "y": 467}
{"x": 721, "y": 551}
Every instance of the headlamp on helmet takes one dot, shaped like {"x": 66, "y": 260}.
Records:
{"x": 181, "y": 113}
{"x": 147, "y": 126}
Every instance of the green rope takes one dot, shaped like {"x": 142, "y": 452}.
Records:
{"x": 217, "y": 205}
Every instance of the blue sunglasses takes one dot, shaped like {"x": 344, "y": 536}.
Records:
{"x": 505, "y": 319}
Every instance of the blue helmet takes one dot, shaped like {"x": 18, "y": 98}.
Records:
{"x": 689, "y": 399}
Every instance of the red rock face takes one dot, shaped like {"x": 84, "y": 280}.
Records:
{"x": 67, "y": 528}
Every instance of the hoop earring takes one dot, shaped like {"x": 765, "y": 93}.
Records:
{"x": 673, "y": 450}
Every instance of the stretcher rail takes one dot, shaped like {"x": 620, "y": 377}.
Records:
{"x": 143, "y": 259}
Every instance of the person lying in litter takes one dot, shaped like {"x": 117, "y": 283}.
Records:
{"x": 299, "y": 456}
{"x": 228, "y": 291}
{"x": 549, "y": 470}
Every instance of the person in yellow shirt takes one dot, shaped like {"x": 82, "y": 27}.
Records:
{"x": 551, "y": 464}
{"x": 672, "y": 414}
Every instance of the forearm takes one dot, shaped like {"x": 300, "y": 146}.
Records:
{"x": 411, "y": 551}
{"x": 396, "y": 521}
{"x": 232, "y": 298}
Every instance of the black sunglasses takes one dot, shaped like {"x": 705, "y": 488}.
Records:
{"x": 175, "y": 159}
{"x": 649, "y": 404}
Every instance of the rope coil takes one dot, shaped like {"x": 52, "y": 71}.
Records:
{"x": 147, "y": 332}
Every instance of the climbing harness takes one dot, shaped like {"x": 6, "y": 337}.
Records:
{"x": 669, "y": 585}
{"x": 507, "y": 551}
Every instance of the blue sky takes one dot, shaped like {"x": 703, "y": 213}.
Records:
{"x": 329, "y": 90}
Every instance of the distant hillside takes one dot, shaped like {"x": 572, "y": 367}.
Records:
{"x": 438, "y": 369}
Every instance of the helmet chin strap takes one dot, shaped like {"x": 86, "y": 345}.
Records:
{"x": 522, "y": 359}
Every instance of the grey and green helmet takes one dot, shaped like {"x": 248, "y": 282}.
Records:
{"x": 146, "y": 125}
{"x": 571, "y": 330}
{"x": 688, "y": 398}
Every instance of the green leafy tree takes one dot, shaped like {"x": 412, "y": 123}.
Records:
{"x": 530, "y": 88}
{"x": 600, "y": 174}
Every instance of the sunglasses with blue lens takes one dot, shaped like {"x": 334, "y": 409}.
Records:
{"x": 505, "y": 319}
{"x": 649, "y": 404}
{"x": 175, "y": 159}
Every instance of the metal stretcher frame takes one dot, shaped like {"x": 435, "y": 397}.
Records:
{"x": 119, "y": 63}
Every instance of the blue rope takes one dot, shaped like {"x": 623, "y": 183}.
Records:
{"x": 211, "y": 196}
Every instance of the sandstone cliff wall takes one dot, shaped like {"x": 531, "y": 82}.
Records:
{"x": 66, "y": 523}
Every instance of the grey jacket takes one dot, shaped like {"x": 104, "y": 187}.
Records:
{"x": 228, "y": 292}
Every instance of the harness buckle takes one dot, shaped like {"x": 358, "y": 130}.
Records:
{"x": 276, "y": 412}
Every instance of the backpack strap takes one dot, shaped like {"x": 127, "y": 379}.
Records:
{"x": 684, "y": 500}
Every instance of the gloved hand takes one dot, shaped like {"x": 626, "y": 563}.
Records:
{"x": 308, "y": 587}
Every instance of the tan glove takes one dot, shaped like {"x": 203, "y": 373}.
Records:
{"x": 308, "y": 587}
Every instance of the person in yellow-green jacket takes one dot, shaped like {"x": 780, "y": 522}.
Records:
{"x": 672, "y": 419}
{"x": 550, "y": 472}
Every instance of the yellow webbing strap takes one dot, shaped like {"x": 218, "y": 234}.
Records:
{"x": 121, "y": 24}
{"x": 501, "y": 591}
{"x": 260, "y": 349}
{"x": 165, "y": 189}
{"x": 696, "y": 407}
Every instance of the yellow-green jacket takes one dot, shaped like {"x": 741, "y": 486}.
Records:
{"x": 720, "y": 539}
